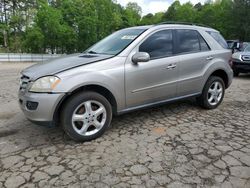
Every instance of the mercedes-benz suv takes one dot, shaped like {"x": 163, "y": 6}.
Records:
{"x": 131, "y": 69}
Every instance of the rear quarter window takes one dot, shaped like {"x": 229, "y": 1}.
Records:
{"x": 219, "y": 38}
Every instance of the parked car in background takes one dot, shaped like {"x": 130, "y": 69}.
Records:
{"x": 241, "y": 61}
{"x": 131, "y": 69}
{"x": 233, "y": 44}
{"x": 245, "y": 44}
{"x": 236, "y": 45}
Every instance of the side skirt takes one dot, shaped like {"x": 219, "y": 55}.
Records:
{"x": 144, "y": 106}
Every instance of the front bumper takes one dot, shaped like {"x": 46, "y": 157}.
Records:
{"x": 46, "y": 106}
{"x": 243, "y": 67}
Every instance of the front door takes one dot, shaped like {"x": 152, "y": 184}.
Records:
{"x": 156, "y": 79}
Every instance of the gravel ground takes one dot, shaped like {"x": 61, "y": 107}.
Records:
{"x": 176, "y": 145}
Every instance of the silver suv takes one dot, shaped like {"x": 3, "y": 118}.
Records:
{"x": 131, "y": 69}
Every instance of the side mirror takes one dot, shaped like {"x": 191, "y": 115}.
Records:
{"x": 140, "y": 57}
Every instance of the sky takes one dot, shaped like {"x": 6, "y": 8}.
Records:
{"x": 154, "y": 6}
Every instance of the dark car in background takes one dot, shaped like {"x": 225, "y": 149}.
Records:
{"x": 236, "y": 45}
{"x": 241, "y": 61}
{"x": 232, "y": 43}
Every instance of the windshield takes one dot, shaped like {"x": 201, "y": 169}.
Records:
{"x": 116, "y": 42}
{"x": 247, "y": 49}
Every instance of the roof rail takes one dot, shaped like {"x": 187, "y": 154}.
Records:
{"x": 183, "y": 23}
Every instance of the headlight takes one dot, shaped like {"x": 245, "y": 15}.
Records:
{"x": 245, "y": 57}
{"x": 45, "y": 84}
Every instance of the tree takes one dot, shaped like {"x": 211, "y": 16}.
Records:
{"x": 152, "y": 19}
{"x": 131, "y": 14}
{"x": 170, "y": 14}
{"x": 241, "y": 19}
{"x": 34, "y": 40}
{"x": 68, "y": 26}
{"x": 50, "y": 21}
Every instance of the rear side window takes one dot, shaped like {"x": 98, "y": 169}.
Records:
{"x": 219, "y": 38}
{"x": 190, "y": 41}
{"x": 159, "y": 44}
{"x": 203, "y": 45}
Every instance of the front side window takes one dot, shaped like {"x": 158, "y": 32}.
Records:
{"x": 116, "y": 42}
{"x": 159, "y": 44}
{"x": 219, "y": 38}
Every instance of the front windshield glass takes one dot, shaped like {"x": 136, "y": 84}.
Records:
{"x": 247, "y": 49}
{"x": 116, "y": 42}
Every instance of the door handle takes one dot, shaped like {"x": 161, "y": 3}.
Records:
{"x": 209, "y": 58}
{"x": 171, "y": 66}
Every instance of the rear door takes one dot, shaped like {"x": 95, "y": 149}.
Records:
{"x": 194, "y": 54}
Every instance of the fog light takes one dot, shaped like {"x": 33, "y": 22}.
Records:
{"x": 31, "y": 105}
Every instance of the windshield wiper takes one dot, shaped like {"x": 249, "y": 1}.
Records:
{"x": 91, "y": 52}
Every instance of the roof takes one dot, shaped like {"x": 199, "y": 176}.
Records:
{"x": 176, "y": 25}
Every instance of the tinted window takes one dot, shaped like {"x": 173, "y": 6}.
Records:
{"x": 203, "y": 45}
{"x": 159, "y": 44}
{"x": 217, "y": 36}
{"x": 188, "y": 41}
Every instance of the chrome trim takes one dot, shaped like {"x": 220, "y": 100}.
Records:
{"x": 154, "y": 86}
{"x": 245, "y": 57}
{"x": 156, "y": 103}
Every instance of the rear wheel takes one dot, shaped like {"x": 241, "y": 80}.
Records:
{"x": 213, "y": 93}
{"x": 86, "y": 116}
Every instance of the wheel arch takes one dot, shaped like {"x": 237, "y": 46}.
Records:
{"x": 222, "y": 74}
{"x": 91, "y": 87}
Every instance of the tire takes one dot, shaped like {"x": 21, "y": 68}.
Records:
{"x": 207, "y": 94}
{"x": 86, "y": 116}
{"x": 236, "y": 74}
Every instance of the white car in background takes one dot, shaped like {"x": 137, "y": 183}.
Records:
{"x": 241, "y": 61}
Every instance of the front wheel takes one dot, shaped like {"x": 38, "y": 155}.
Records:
{"x": 86, "y": 116}
{"x": 213, "y": 93}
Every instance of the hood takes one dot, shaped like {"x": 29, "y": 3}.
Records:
{"x": 241, "y": 56}
{"x": 60, "y": 64}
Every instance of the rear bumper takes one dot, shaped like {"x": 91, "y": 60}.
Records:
{"x": 241, "y": 67}
{"x": 43, "y": 112}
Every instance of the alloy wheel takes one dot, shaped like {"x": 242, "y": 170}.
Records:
{"x": 215, "y": 93}
{"x": 89, "y": 117}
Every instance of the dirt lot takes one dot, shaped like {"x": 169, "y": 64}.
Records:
{"x": 176, "y": 145}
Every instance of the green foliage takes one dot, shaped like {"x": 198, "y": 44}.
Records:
{"x": 152, "y": 19}
{"x": 241, "y": 19}
{"x": 69, "y": 26}
{"x": 34, "y": 40}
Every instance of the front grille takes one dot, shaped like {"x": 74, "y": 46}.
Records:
{"x": 24, "y": 81}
